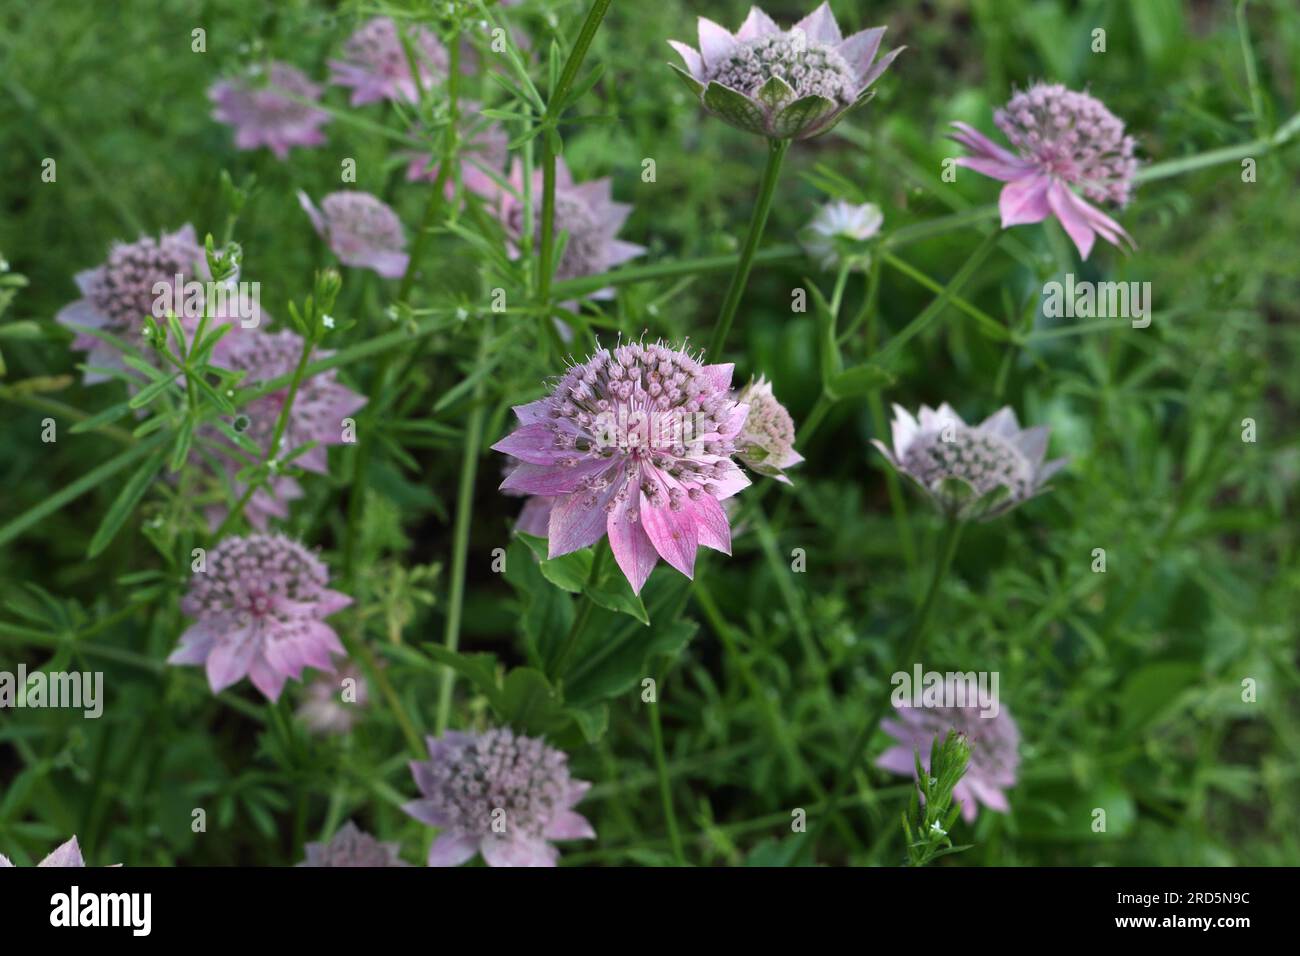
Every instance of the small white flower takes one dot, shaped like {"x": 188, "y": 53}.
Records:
{"x": 327, "y": 321}
{"x": 838, "y": 230}
{"x": 938, "y": 830}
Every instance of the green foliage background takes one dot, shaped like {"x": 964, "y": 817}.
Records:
{"x": 1127, "y": 686}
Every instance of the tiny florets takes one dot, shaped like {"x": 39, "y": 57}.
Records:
{"x": 811, "y": 69}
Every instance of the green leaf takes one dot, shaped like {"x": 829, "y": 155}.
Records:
{"x": 858, "y": 380}
{"x": 123, "y": 506}
{"x": 479, "y": 669}
{"x": 531, "y": 704}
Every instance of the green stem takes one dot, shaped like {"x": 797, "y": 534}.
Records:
{"x": 944, "y": 555}
{"x": 460, "y": 533}
{"x": 584, "y": 611}
{"x": 776, "y": 149}
{"x": 672, "y": 269}
{"x": 665, "y": 791}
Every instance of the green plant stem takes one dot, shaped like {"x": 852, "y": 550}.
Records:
{"x": 554, "y": 107}
{"x": 944, "y": 555}
{"x": 665, "y": 790}
{"x": 584, "y": 611}
{"x": 776, "y": 150}
{"x": 460, "y": 532}
{"x": 671, "y": 269}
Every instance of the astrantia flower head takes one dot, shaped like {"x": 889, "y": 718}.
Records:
{"x": 783, "y": 84}
{"x": 500, "y": 794}
{"x": 994, "y": 750}
{"x": 766, "y": 442}
{"x": 1067, "y": 144}
{"x": 351, "y": 847}
{"x": 375, "y": 65}
{"x": 260, "y": 603}
{"x": 318, "y": 415}
{"x": 971, "y": 471}
{"x": 636, "y": 443}
{"x": 837, "y": 234}
{"x": 66, "y": 855}
{"x": 118, "y": 295}
{"x": 584, "y": 212}
{"x": 266, "y": 108}
{"x": 361, "y": 230}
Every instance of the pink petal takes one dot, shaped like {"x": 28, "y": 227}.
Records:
{"x": 690, "y": 56}
{"x": 861, "y": 48}
{"x": 1025, "y": 201}
{"x": 897, "y": 760}
{"x": 535, "y": 444}
{"x": 715, "y": 41}
{"x": 568, "y": 825}
{"x": 505, "y": 851}
{"x": 757, "y": 24}
{"x": 266, "y": 679}
{"x": 574, "y": 525}
{"x": 672, "y": 533}
{"x": 231, "y": 658}
{"x": 551, "y": 480}
{"x": 69, "y": 854}
{"x": 720, "y": 375}
{"x": 981, "y": 145}
{"x": 452, "y": 849}
{"x": 1071, "y": 218}
{"x": 635, "y": 554}
{"x": 711, "y": 523}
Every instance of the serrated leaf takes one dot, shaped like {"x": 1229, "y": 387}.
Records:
{"x": 123, "y": 506}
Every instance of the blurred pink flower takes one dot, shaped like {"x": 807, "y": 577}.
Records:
{"x": 1066, "y": 143}
{"x": 586, "y": 212}
{"x": 637, "y": 443}
{"x": 326, "y": 710}
{"x": 483, "y": 148}
{"x": 361, "y": 230}
{"x": 783, "y": 84}
{"x": 265, "y": 107}
{"x": 351, "y": 847}
{"x": 259, "y": 603}
{"x": 66, "y": 855}
{"x": 971, "y": 471}
{"x": 319, "y": 409}
{"x": 500, "y": 794}
{"x": 766, "y": 442}
{"x": 994, "y": 743}
{"x": 375, "y": 66}
{"x": 118, "y": 295}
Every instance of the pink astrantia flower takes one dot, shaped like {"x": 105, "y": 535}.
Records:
{"x": 118, "y": 295}
{"x": 361, "y": 230}
{"x": 766, "y": 442}
{"x": 352, "y": 847}
{"x": 260, "y": 604}
{"x": 331, "y": 704}
{"x": 67, "y": 855}
{"x": 483, "y": 149}
{"x": 783, "y": 84}
{"x": 971, "y": 471}
{"x": 994, "y": 744}
{"x": 319, "y": 409}
{"x": 585, "y": 212}
{"x": 1066, "y": 143}
{"x": 636, "y": 443}
{"x": 500, "y": 794}
{"x": 266, "y": 108}
{"x": 375, "y": 66}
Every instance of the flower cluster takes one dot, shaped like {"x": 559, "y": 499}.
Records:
{"x": 783, "y": 84}
{"x": 978, "y": 471}
{"x": 637, "y": 443}
{"x": 351, "y": 847}
{"x": 994, "y": 750}
{"x": 271, "y": 108}
{"x": 1065, "y": 142}
{"x": 66, "y": 855}
{"x": 500, "y": 794}
{"x": 766, "y": 442}
{"x": 259, "y": 604}
{"x": 375, "y": 65}
{"x": 362, "y": 231}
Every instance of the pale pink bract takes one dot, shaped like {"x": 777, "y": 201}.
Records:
{"x": 362, "y": 230}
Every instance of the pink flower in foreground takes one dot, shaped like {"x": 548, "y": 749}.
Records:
{"x": 585, "y": 212}
{"x": 266, "y": 108}
{"x": 361, "y": 230}
{"x": 766, "y": 442}
{"x": 483, "y": 148}
{"x": 500, "y": 794}
{"x": 260, "y": 604}
{"x": 971, "y": 471}
{"x": 351, "y": 847}
{"x": 783, "y": 84}
{"x": 118, "y": 295}
{"x": 319, "y": 409}
{"x": 69, "y": 854}
{"x": 1066, "y": 143}
{"x": 636, "y": 443}
{"x": 375, "y": 65}
{"x": 994, "y": 744}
